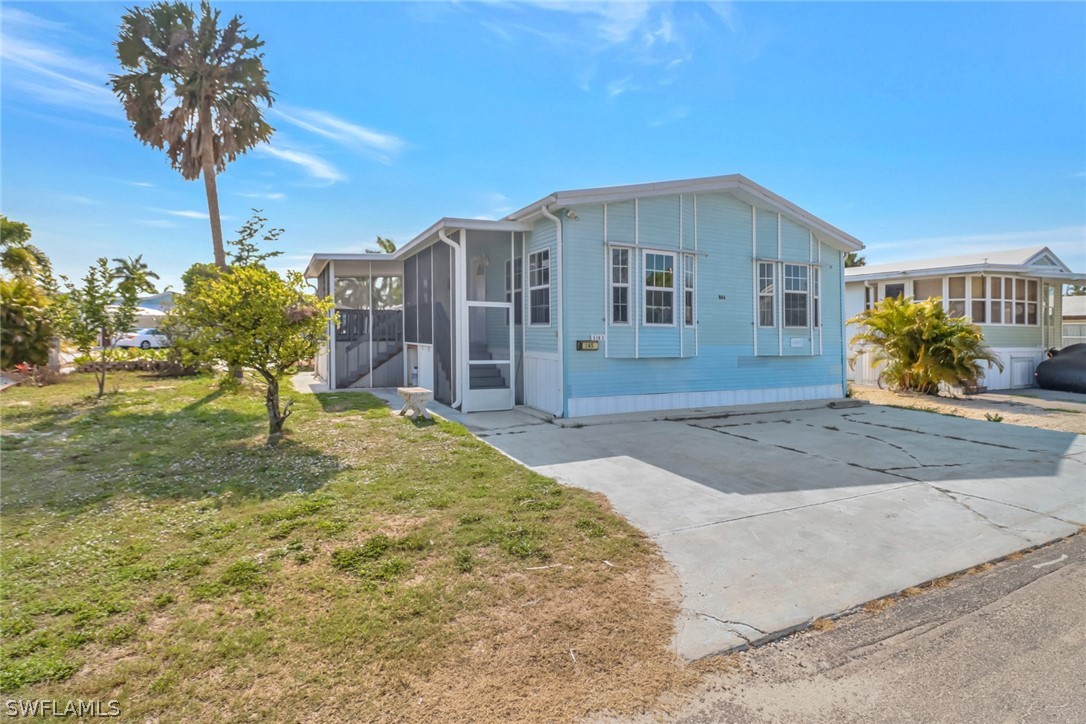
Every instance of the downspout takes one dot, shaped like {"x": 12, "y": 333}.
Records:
{"x": 457, "y": 253}
{"x": 561, "y": 307}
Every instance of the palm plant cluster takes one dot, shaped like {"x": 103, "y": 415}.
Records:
{"x": 920, "y": 346}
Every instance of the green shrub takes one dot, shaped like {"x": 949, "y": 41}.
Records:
{"x": 920, "y": 346}
{"x": 26, "y": 331}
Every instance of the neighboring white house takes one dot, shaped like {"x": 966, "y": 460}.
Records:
{"x": 1074, "y": 320}
{"x": 1013, "y": 295}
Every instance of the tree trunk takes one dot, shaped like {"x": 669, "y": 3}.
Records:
{"x": 276, "y": 416}
{"x": 213, "y": 213}
{"x": 100, "y": 374}
{"x": 208, "y": 171}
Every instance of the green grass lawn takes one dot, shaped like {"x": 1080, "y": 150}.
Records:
{"x": 156, "y": 552}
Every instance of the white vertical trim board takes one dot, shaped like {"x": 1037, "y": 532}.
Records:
{"x": 754, "y": 263}
{"x": 607, "y": 291}
{"x": 332, "y": 324}
{"x": 636, "y": 312}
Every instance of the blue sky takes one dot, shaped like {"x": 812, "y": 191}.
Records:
{"x": 921, "y": 128}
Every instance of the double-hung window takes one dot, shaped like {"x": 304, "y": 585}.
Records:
{"x": 1013, "y": 301}
{"x": 659, "y": 279}
{"x": 797, "y": 288}
{"x": 620, "y": 286}
{"x": 688, "y": 290}
{"x": 796, "y": 295}
{"x": 513, "y": 282}
{"x": 539, "y": 287}
{"x": 767, "y": 316}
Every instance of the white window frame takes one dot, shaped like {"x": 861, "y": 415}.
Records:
{"x": 786, "y": 292}
{"x": 513, "y": 269}
{"x": 771, "y": 294}
{"x": 645, "y": 288}
{"x": 816, "y": 296}
{"x": 532, "y": 286}
{"x": 950, "y": 300}
{"x": 1008, "y": 303}
{"x": 612, "y": 284}
{"x": 690, "y": 271}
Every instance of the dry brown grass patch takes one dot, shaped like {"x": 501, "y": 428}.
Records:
{"x": 823, "y": 624}
{"x": 877, "y": 605}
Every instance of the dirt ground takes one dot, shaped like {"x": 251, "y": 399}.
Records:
{"x": 1015, "y": 409}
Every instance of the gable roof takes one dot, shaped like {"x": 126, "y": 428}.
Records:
{"x": 739, "y": 186}
{"x": 736, "y": 184}
{"x": 1038, "y": 260}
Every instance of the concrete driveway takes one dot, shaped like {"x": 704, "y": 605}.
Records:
{"x": 774, "y": 518}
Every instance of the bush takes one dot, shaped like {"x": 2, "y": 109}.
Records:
{"x": 25, "y": 329}
{"x": 921, "y": 346}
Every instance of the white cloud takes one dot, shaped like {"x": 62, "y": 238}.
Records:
{"x": 184, "y": 214}
{"x": 1069, "y": 243}
{"x": 313, "y": 165}
{"x": 617, "y": 87}
{"x": 35, "y": 64}
{"x": 676, "y": 114}
{"x": 269, "y": 196}
{"x": 376, "y": 144}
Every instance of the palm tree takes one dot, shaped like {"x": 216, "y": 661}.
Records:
{"x": 852, "y": 259}
{"x": 192, "y": 87}
{"x": 135, "y": 274}
{"x": 18, "y": 256}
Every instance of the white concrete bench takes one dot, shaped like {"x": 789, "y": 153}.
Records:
{"x": 415, "y": 399}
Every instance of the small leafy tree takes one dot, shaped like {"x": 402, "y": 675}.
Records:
{"x": 94, "y": 314}
{"x": 384, "y": 246}
{"x": 251, "y": 317}
{"x": 246, "y": 251}
{"x": 921, "y": 346}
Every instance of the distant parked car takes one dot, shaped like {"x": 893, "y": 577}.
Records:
{"x": 143, "y": 338}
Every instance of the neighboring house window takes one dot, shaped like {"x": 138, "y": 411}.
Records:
{"x": 620, "y": 286}
{"x": 659, "y": 288}
{"x": 513, "y": 282}
{"x": 796, "y": 295}
{"x": 894, "y": 290}
{"x": 1011, "y": 301}
{"x": 816, "y": 290}
{"x": 539, "y": 287}
{"x": 955, "y": 297}
{"x": 766, "y": 313}
{"x": 978, "y": 306}
{"x": 924, "y": 289}
{"x": 688, "y": 290}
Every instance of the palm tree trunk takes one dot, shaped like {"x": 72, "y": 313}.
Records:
{"x": 213, "y": 213}
{"x": 208, "y": 172}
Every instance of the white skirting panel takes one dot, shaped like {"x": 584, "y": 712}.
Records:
{"x": 543, "y": 382}
{"x": 586, "y": 406}
{"x": 1019, "y": 364}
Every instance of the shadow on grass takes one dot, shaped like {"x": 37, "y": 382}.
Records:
{"x": 349, "y": 402}
{"x": 198, "y": 452}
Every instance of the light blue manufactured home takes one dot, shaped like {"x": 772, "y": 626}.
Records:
{"x": 674, "y": 295}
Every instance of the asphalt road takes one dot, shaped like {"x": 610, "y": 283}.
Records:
{"x": 1003, "y": 645}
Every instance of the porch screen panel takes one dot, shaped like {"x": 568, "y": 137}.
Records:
{"x": 442, "y": 310}
{"x": 411, "y": 300}
{"x": 426, "y": 298}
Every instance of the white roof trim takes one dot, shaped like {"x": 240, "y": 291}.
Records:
{"x": 1023, "y": 269}
{"x": 734, "y": 182}
{"x": 317, "y": 261}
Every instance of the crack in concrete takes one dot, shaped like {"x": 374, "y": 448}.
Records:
{"x": 884, "y": 471}
{"x": 731, "y": 624}
{"x": 948, "y": 437}
{"x": 786, "y": 510}
{"x": 1009, "y": 505}
{"x": 982, "y": 516}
